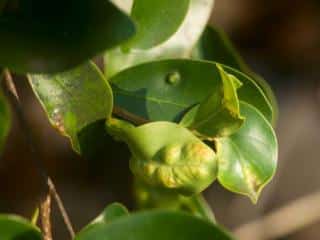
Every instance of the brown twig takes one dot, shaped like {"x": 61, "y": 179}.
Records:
{"x": 47, "y": 181}
{"x": 137, "y": 120}
{"x": 45, "y": 210}
{"x": 283, "y": 221}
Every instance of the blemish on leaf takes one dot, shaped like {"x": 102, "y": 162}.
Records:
{"x": 173, "y": 78}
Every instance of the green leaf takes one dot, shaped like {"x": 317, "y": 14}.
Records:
{"x": 251, "y": 93}
{"x": 168, "y": 156}
{"x": 34, "y": 38}
{"x": 214, "y": 45}
{"x": 150, "y": 198}
{"x": 156, "y": 225}
{"x": 109, "y": 214}
{"x": 16, "y": 228}
{"x": 219, "y": 115}
{"x": 248, "y": 159}
{"x": 74, "y": 99}
{"x": 156, "y": 21}
{"x": 165, "y": 90}
{"x": 179, "y": 45}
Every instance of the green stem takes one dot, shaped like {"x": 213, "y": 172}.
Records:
{"x": 202, "y": 208}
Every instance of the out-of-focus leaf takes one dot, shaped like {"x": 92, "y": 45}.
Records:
{"x": 214, "y": 45}
{"x": 248, "y": 159}
{"x": 156, "y": 21}
{"x": 125, "y": 5}
{"x": 74, "y": 99}
{"x": 16, "y": 228}
{"x": 219, "y": 115}
{"x": 156, "y": 225}
{"x": 109, "y": 214}
{"x": 2, "y": 4}
{"x": 154, "y": 198}
{"x": 165, "y": 90}
{"x": 42, "y": 36}
{"x": 179, "y": 45}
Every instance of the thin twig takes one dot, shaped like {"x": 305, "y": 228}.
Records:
{"x": 45, "y": 210}
{"x": 47, "y": 182}
{"x": 137, "y": 120}
{"x": 283, "y": 221}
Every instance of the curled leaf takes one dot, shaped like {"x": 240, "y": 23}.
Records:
{"x": 219, "y": 115}
{"x": 169, "y": 156}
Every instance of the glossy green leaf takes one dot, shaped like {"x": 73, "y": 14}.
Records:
{"x": 16, "y": 228}
{"x": 34, "y": 38}
{"x": 151, "y": 198}
{"x": 156, "y": 225}
{"x": 74, "y": 99}
{"x": 167, "y": 155}
{"x": 219, "y": 115}
{"x": 165, "y": 90}
{"x": 179, "y": 45}
{"x": 214, "y": 45}
{"x": 156, "y": 21}
{"x": 248, "y": 159}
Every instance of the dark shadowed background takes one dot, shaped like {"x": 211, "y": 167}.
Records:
{"x": 281, "y": 41}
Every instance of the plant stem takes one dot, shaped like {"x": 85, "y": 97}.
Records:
{"x": 48, "y": 184}
{"x": 45, "y": 210}
{"x": 137, "y": 120}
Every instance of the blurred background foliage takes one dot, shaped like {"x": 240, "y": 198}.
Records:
{"x": 281, "y": 41}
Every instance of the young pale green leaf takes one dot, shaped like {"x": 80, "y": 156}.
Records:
{"x": 251, "y": 93}
{"x": 34, "y": 38}
{"x": 16, "y": 228}
{"x": 156, "y": 21}
{"x": 74, "y": 99}
{"x": 168, "y": 156}
{"x": 148, "y": 197}
{"x": 219, "y": 115}
{"x": 156, "y": 225}
{"x": 165, "y": 90}
{"x": 214, "y": 45}
{"x": 248, "y": 159}
{"x": 179, "y": 45}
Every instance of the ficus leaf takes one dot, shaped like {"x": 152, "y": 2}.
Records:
{"x": 179, "y": 45}
{"x": 168, "y": 156}
{"x": 111, "y": 213}
{"x": 74, "y": 99}
{"x": 156, "y": 21}
{"x": 165, "y": 90}
{"x": 214, "y": 45}
{"x": 219, "y": 115}
{"x": 156, "y": 225}
{"x": 248, "y": 159}
{"x": 17, "y": 228}
{"x": 34, "y": 38}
